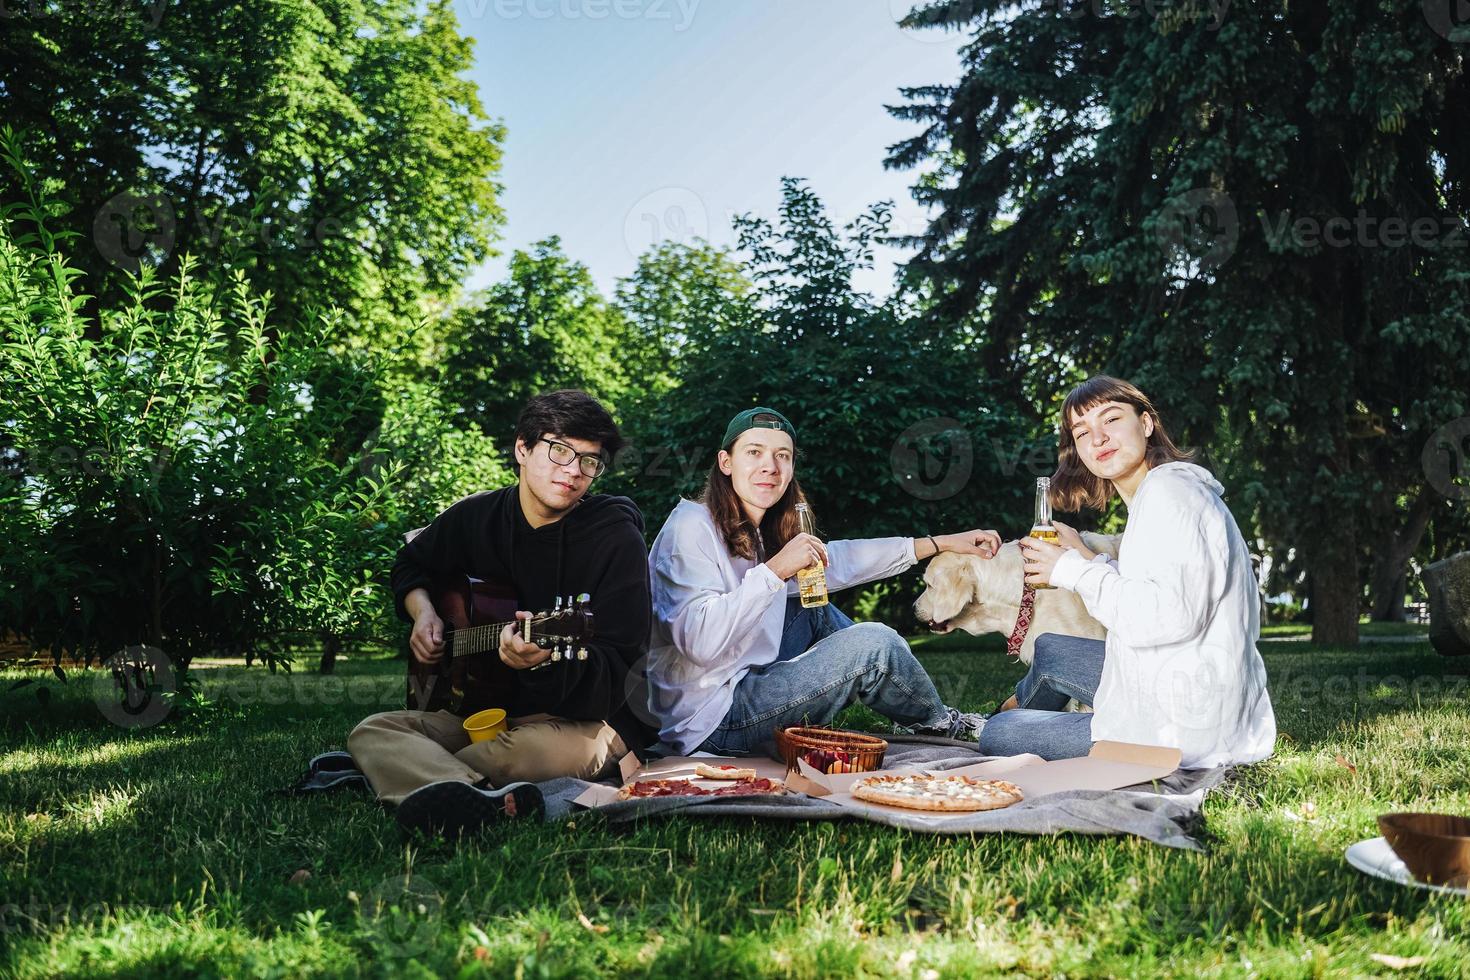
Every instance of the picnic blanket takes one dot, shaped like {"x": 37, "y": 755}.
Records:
{"x": 1166, "y": 812}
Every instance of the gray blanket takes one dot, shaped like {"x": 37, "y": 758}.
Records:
{"x": 1166, "y": 812}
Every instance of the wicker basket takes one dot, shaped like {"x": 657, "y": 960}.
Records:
{"x": 831, "y": 750}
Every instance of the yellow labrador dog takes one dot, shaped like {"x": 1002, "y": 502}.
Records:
{"x": 982, "y": 596}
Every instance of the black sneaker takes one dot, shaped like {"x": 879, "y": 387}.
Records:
{"x": 453, "y": 809}
{"x": 328, "y": 772}
{"x": 331, "y": 762}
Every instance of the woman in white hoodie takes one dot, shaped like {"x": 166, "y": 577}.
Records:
{"x": 1179, "y": 666}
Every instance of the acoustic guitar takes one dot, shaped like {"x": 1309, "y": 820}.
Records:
{"x": 470, "y": 673}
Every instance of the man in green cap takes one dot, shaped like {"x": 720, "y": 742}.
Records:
{"x": 733, "y": 655}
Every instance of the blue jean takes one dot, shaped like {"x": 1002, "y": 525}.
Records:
{"x": 1063, "y": 667}
{"x": 826, "y": 662}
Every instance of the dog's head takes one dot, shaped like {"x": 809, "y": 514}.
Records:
{"x": 948, "y": 590}
{"x": 971, "y": 593}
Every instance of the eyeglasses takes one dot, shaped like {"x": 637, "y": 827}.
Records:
{"x": 591, "y": 464}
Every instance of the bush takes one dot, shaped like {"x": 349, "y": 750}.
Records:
{"x": 182, "y": 472}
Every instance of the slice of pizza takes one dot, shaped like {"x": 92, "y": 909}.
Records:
{"x": 650, "y": 788}
{"x": 708, "y": 771}
{"x": 750, "y": 787}
{"x": 925, "y": 791}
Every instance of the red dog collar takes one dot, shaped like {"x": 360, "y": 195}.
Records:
{"x": 1023, "y": 620}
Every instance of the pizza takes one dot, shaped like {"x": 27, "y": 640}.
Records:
{"x": 648, "y": 788}
{"x": 723, "y": 772}
{"x": 922, "y": 791}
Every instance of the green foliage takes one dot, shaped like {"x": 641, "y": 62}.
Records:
{"x": 1204, "y": 198}
{"x": 897, "y": 431}
{"x": 339, "y": 139}
{"x": 679, "y": 297}
{"x": 544, "y": 327}
{"x": 179, "y": 474}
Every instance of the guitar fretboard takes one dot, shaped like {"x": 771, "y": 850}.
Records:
{"x": 478, "y": 639}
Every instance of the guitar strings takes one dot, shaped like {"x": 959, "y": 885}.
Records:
{"x": 488, "y": 630}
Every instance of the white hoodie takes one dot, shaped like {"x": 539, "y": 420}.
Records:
{"x": 1183, "y": 618}
{"x": 715, "y": 617}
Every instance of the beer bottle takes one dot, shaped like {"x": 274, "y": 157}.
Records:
{"x": 812, "y": 580}
{"x": 1043, "y": 528}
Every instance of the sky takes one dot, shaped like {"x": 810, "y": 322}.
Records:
{"x": 635, "y": 121}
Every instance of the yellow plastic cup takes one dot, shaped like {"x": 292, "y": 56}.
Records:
{"x": 485, "y": 725}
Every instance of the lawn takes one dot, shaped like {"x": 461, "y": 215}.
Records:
{"x": 159, "y": 853}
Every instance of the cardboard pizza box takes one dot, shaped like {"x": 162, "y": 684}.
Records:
{"x": 1110, "y": 765}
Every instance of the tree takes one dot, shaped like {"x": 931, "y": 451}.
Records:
{"x": 678, "y": 297}
{"x": 338, "y": 139}
{"x": 545, "y": 326}
{"x": 1220, "y": 203}
{"x": 896, "y": 431}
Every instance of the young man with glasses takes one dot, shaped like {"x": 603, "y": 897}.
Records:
{"x": 545, "y": 537}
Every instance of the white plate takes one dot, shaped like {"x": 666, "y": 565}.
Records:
{"x": 1374, "y": 857}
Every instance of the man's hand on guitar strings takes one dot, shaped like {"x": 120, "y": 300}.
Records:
{"x": 427, "y": 639}
{"x": 518, "y": 654}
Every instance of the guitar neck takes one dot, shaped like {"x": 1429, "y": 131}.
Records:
{"x": 478, "y": 639}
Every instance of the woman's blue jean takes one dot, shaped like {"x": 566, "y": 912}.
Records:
{"x": 1063, "y": 667}
{"x": 826, "y": 662}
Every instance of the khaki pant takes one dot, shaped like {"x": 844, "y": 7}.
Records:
{"x": 401, "y": 751}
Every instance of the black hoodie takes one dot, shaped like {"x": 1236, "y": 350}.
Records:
{"x": 596, "y": 548}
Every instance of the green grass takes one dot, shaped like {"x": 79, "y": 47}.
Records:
{"x": 1366, "y": 629}
{"x": 158, "y": 853}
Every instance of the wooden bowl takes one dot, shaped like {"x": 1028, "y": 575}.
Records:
{"x": 1435, "y": 847}
{"x": 831, "y": 750}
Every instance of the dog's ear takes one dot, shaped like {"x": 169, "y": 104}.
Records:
{"x": 964, "y": 578}
{"x": 997, "y": 581}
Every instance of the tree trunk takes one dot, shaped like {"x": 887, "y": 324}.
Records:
{"x": 1390, "y": 575}
{"x": 331, "y": 645}
{"x": 1335, "y": 589}
{"x": 1388, "y": 594}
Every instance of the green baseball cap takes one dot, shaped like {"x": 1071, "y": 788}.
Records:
{"x": 757, "y": 418}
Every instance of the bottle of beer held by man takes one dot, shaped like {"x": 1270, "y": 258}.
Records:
{"x": 1043, "y": 528}
{"x": 813, "y": 579}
